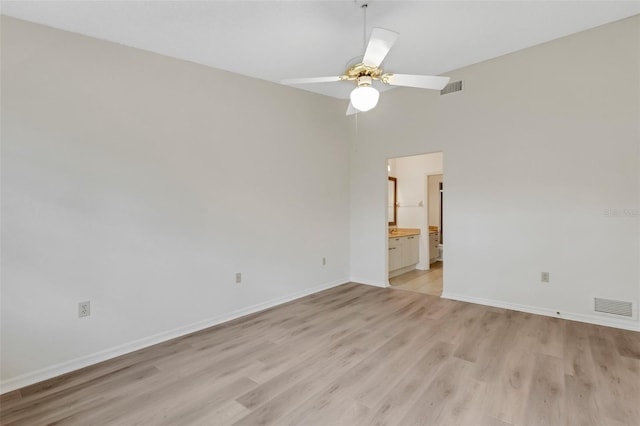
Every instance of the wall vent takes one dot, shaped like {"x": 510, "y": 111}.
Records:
{"x": 614, "y": 307}
{"x": 456, "y": 86}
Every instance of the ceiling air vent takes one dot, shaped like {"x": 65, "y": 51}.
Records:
{"x": 456, "y": 86}
{"x": 614, "y": 307}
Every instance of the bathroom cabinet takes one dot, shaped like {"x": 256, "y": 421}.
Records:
{"x": 403, "y": 252}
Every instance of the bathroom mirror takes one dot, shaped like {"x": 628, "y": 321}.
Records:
{"x": 392, "y": 203}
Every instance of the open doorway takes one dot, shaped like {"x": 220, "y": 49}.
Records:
{"x": 416, "y": 231}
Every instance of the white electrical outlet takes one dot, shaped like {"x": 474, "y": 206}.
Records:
{"x": 324, "y": 261}
{"x": 84, "y": 309}
{"x": 238, "y": 277}
{"x": 544, "y": 277}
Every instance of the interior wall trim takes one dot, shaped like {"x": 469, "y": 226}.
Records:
{"x": 590, "y": 319}
{"x": 110, "y": 353}
{"x": 373, "y": 283}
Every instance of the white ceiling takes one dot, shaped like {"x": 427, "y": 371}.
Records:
{"x": 285, "y": 39}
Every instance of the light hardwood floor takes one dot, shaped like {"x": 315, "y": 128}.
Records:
{"x": 427, "y": 282}
{"x": 357, "y": 355}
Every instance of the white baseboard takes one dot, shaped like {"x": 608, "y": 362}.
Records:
{"x": 591, "y": 319}
{"x": 422, "y": 267}
{"x": 374, "y": 283}
{"x": 401, "y": 271}
{"x": 104, "y": 355}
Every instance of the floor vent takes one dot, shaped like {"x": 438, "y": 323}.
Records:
{"x": 456, "y": 86}
{"x": 614, "y": 307}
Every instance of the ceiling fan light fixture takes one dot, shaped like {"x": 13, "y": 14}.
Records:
{"x": 364, "y": 98}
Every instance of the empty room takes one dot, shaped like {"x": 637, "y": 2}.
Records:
{"x": 320, "y": 212}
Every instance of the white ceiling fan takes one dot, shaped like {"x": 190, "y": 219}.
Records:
{"x": 365, "y": 97}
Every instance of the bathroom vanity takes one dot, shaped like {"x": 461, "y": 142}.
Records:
{"x": 403, "y": 250}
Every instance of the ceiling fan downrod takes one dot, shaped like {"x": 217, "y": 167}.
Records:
{"x": 365, "y": 97}
{"x": 364, "y": 26}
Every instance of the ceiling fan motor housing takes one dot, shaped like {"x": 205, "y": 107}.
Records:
{"x": 364, "y": 81}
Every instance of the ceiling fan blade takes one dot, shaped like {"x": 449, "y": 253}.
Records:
{"x": 422, "y": 81}
{"x": 379, "y": 45}
{"x": 351, "y": 109}
{"x": 311, "y": 80}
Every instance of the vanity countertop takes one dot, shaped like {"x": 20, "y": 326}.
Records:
{"x": 403, "y": 232}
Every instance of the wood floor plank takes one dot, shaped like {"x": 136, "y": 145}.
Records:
{"x": 352, "y": 414}
{"x": 357, "y": 355}
{"x": 431, "y": 407}
{"x": 475, "y": 341}
{"x": 497, "y": 347}
{"x": 509, "y": 390}
{"x": 545, "y": 400}
{"x": 617, "y": 378}
{"x": 87, "y": 375}
{"x": 10, "y": 397}
{"x": 582, "y": 405}
{"x": 361, "y": 383}
{"x": 467, "y": 405}
{"x": 394, "y": 367}
{"x": 628, "y": 345}
{"x": 617, "y": 375}
{"x": 397, "y": 399}
{"x": 58, "y": 405}
{"x": 342, "y": 358}
{"x": 369, "y": 330}
{"x": 547, "y": 335}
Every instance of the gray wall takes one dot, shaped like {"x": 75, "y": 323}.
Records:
{"x": 541, "y": 159}
{"x": 143, "y": 184}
